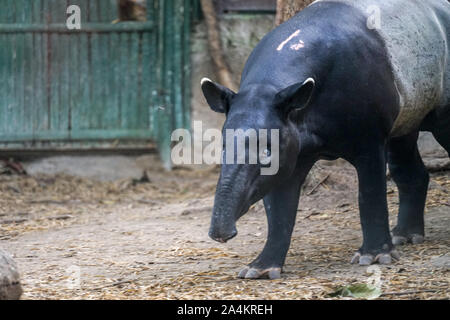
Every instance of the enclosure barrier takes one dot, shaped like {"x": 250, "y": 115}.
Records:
{"x": 110, "y": 83}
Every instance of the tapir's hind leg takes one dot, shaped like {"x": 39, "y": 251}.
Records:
{"x": 377, "y": 245}
{"x": 411, "y": 177}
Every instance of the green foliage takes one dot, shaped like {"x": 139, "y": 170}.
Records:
{"x": 361, "y": 291}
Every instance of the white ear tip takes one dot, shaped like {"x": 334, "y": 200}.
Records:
{"x": 309, "y": 80}
{"x": 205, "y": 80}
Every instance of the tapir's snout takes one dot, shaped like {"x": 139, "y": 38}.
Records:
{"x": 222, "y": 235}
{"x": 231, "y": 200}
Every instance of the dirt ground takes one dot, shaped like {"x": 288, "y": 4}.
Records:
{"x": 75, "y": 238}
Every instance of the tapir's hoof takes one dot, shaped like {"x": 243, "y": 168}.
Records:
{"x": 254, "y": 273}
{"x": 368, "y": 259}
{"x": 412, "y": 238}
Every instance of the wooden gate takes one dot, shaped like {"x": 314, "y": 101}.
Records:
{"x": 104, "y": 86}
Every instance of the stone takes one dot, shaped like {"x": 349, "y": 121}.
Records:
{"x": 10, "y": 287}
{"x": 429, "y": 147}
{"x": 441, "y": 261}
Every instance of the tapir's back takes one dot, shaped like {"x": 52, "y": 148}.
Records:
{"x": 416, "y": 35}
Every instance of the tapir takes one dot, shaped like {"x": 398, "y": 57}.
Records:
{"x": 337, "y": 83}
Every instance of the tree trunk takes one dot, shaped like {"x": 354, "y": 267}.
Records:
{"x": 215, "y": 45}
{"x": 132, "y": 10}
{"x": 10, "y": 288}
{"x": 288, "y": 8}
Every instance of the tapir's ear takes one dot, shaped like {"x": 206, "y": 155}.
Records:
{"x": 217, "y": 96}
{"x": 295, "y": 97}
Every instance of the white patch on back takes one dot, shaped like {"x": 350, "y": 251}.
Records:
{"x": 416, "y": 43}
{"x": 297, "y": 46}
{"x": 282, "y": 44}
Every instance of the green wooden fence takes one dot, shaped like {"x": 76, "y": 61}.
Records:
{"x": 104, "y": 84}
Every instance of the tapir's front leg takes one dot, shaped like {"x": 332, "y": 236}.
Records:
{"x": 281, "y": 209}
{"x": 377, "y": 243}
